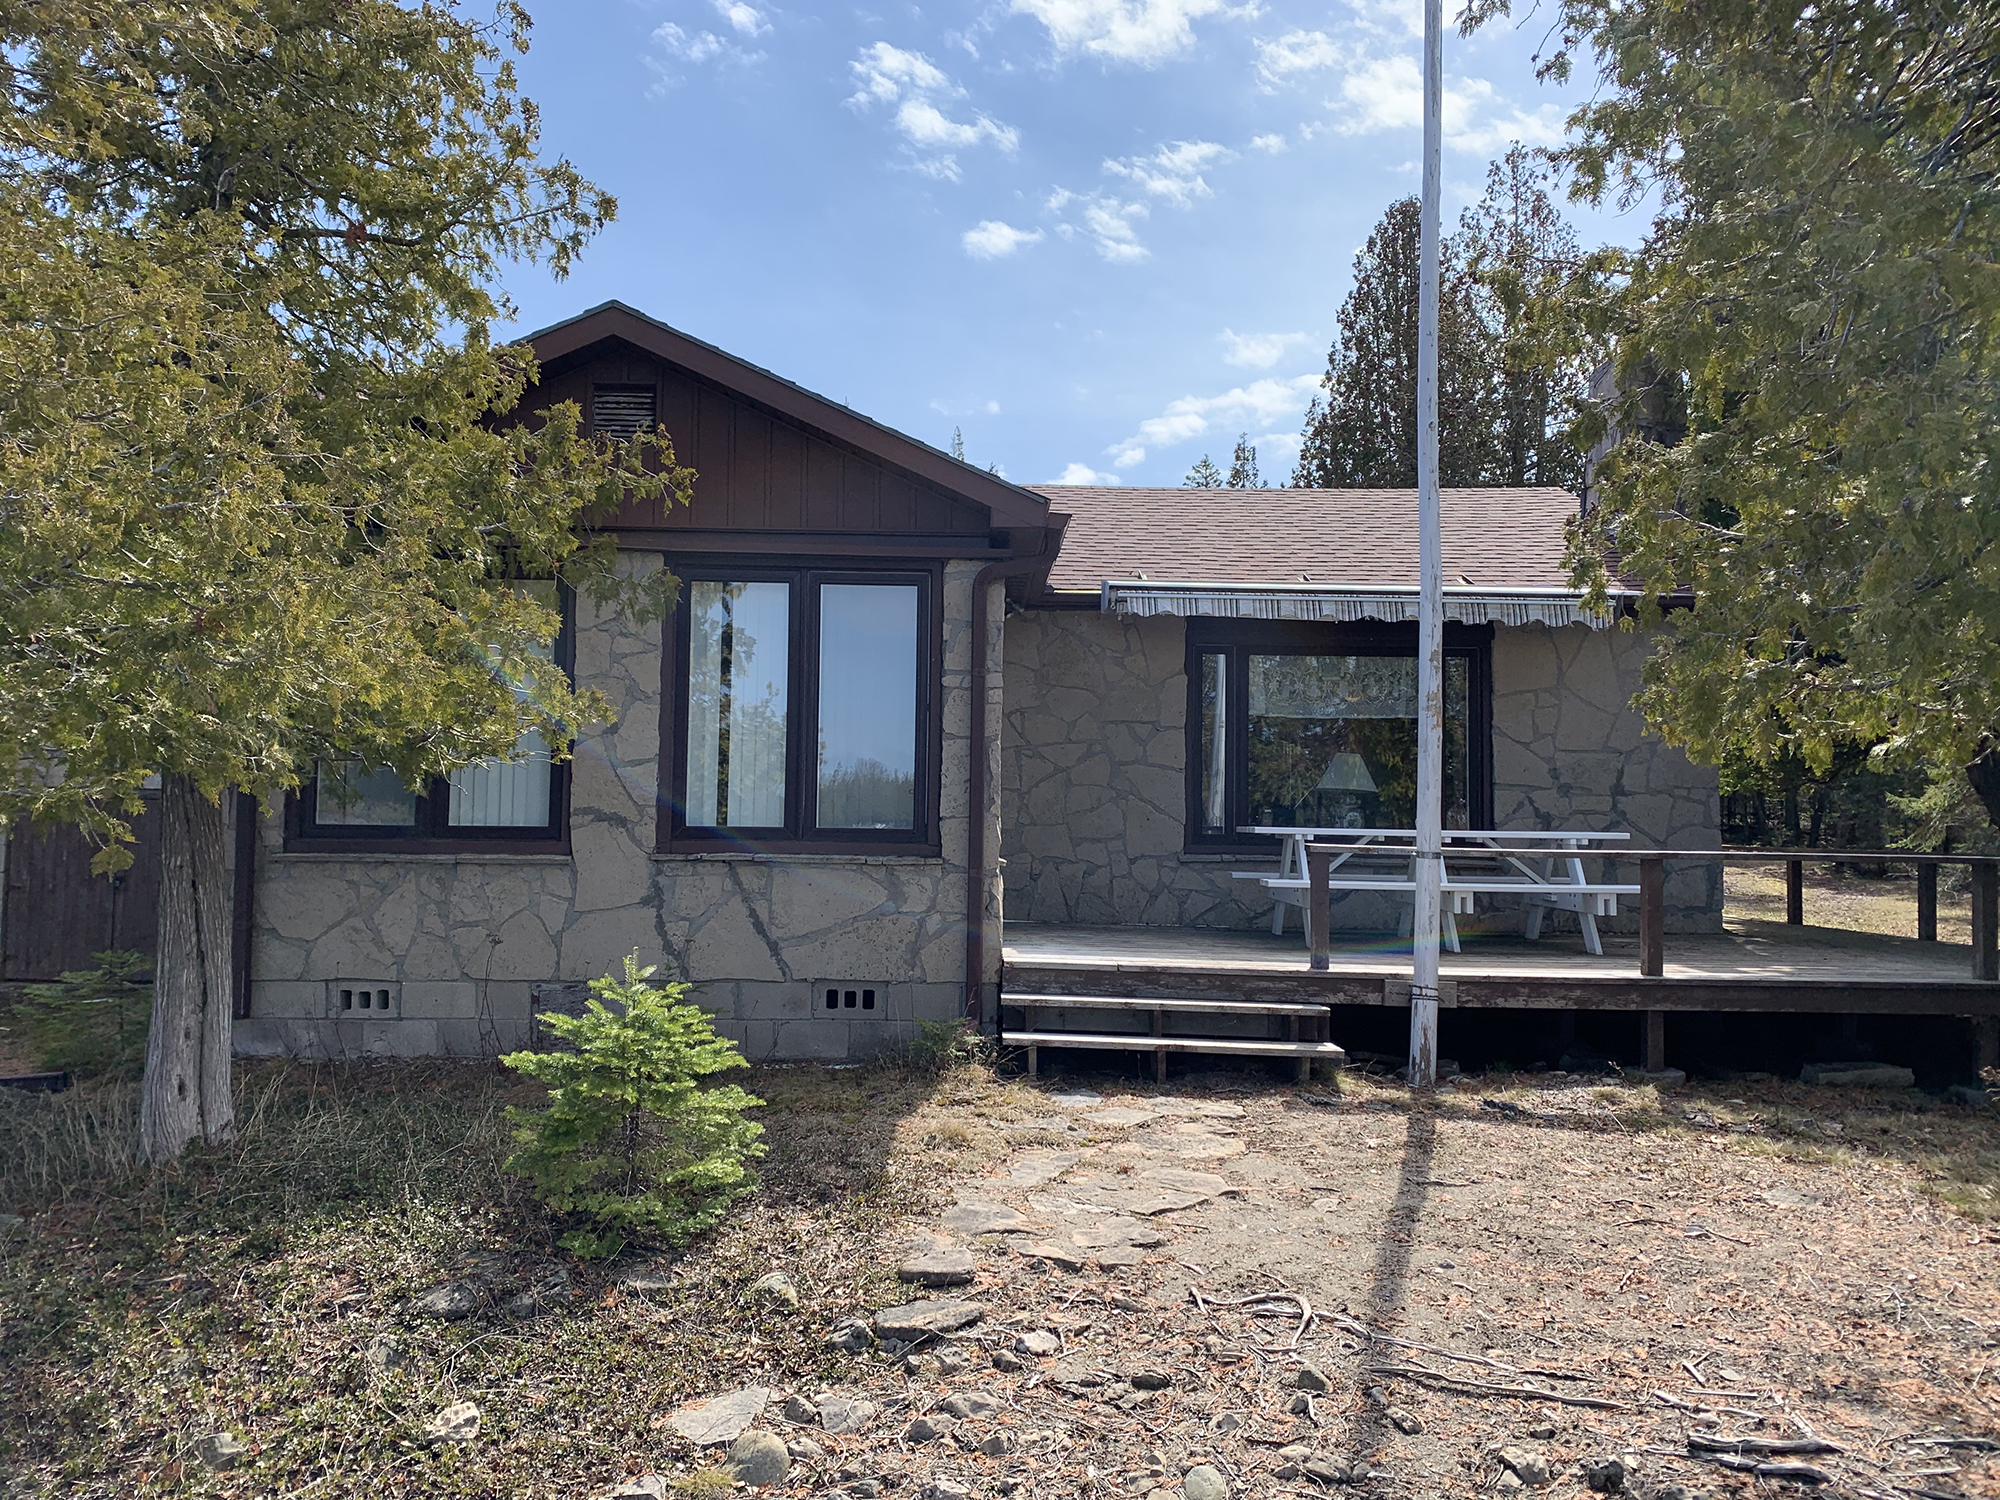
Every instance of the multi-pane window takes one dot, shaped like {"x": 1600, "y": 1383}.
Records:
{"x": 804, "y": 705}
{"x": 1316, "y": 727}
{"x": 517, "y": 796}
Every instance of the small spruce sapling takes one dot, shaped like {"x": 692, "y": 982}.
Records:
{"x": 633, "y": 1141}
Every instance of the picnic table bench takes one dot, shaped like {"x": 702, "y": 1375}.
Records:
{"x": 1507, "y": 859}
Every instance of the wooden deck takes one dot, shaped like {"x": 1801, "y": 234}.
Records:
{"x": 1752, "y": 966}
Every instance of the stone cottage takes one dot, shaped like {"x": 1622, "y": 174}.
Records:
{"x": 901, "y": 696}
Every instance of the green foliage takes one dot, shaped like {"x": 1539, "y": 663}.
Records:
{"x": 1814, "y": 316}
{"x": 1203, "y": 476}
{"x": 255, "y": 501}
{"x": 1243, "y": 465}
{"x": 940, "y": 1046}
{"x": 91, "y": 1021}
{"x": 634, "y": 1140}
{"x": 1509, "y": 377}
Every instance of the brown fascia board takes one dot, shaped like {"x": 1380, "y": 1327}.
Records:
{"x": 1008, "y": 504}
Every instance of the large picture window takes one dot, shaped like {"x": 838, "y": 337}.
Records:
{"x": 1316, "y": 727}
{"x": 519, "y": 799}
{"x": 804, "y": 702}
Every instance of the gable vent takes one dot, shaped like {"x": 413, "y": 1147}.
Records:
{"x": 623, "y": 411}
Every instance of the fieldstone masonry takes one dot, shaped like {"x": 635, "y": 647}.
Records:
{"x": 1096, "y": 759}
{"x": 463, "y": 940}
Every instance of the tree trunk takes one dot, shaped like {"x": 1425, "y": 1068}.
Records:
{"x": 1984, "y": 774}
{"x": 186, "y": 1090}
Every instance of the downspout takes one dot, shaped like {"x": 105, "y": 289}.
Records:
{"x": 975, "y": 831}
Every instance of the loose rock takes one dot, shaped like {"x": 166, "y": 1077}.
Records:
{"x": 1529, "y": 1465}
{"x": 972, "y": 1404}
{"x": 1039, "y": 1342}
{"x": 1205, "y": 1482}
{"x": 1327, "y": 1468}
{"x": 1150, "y": 1380}
{"x": 1405, "y": 1422}
{"x": 457, "y": 1423}
{"x": 1605, "y": 1475}
{"x": 799, "y": 1410}
{"x": 452, "y": 1299}
{"x": 939, "y": 1264}
{"x": 758, "y": 1458}
{"x": 221, "y": 1450}
{"x": 721, "y": 1419}
{"x": 842, "y": 1415}
{"x": 924, "y": 1429}
{"x": 947, "y": 1489}
{"x": 1006, "y": 1359}
{"x": 933, "y": 1315}
{"x": 645, "y": 1487}
{"x": 651, "y": 1276}
{"x": 852, "y": 1335}
{"x": 383, "y": 1357}
{"x": 1066, "y": 1256}
{"x": 976, "y": 1217}
{"x": 1311, "y": 1378}
{"x": 999, "y": 1444}
{"x": 776, "y": 1289}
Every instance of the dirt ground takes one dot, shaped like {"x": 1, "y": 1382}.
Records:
{"x": 1568, "y": 1269}
{"x": 1853, "y": 903}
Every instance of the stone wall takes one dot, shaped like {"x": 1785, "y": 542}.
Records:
{"x": 1095, "y": 780}
{"x": 461, "y": 941}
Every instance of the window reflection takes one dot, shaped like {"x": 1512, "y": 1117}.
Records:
{"x": 867, "y": 706}
{"x": 738, "y": 663}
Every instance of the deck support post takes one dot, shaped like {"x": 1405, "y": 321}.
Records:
{"x": 1653, "y": 1043}
{"x": 1319, "y": 904}
{"x": 1652, "y": 916}
{"x": 1927, "y": 903}
{"x": 1986, "y": 1041}
{"x": 1795, "y": 892}
{"x": 1985, "y": 919}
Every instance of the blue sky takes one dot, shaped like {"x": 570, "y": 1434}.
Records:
{"x": 1100, "y": 236}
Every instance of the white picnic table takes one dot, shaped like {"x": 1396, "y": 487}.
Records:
{"x": 1545, "y": 867}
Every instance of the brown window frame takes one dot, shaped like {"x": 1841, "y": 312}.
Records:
{"x": 432, "y": 832}
{"x": 798, "y": 835}
{"x": 1240, "y": 638}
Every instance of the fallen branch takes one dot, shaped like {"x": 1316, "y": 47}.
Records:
{"x": 1729, "y": 1411}
{"x": 1471, "y": 1359}
{"x": 1768, "y": 1446}
{"x": 1764, "y": 1469}
{"x": 1524, "y": 1392}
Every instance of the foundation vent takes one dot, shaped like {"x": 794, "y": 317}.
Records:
{"x": 363, "y": 999}
{"x": 841, "y": 997}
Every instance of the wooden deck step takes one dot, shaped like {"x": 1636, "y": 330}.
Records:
{"x": 1133, "y": 1041}
{"x": 1173, "y": 1007}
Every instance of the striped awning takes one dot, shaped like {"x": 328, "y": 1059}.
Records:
{"x": 1307, "y": 601}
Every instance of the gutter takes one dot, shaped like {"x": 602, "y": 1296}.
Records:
{"x": 975, "y": 830}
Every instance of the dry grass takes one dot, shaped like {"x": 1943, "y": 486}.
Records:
{"x": 1852, "y": 903}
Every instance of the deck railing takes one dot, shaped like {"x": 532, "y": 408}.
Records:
{"x": 1985, "y": 871}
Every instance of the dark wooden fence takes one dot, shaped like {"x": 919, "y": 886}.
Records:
{"x": 58, "y": 913}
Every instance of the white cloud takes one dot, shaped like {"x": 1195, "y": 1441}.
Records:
{"x": 697, "y": 47}
{"x": 745, "y": 19}
{"x": 1271, "y": 143}
{"x": 992, "y": 408}
{"x": 1256, "y": 351}
{"x": 1298, "y": 52}
{"x": 1146, "y": 32}
{"x": 1084, "y": 474}
{"x": 1259, "y": 404}
{"x": 992, "y": 239}
{"x": 1174, "y": 171}
{"x": 1109, "y": 224}
{"x": 1387, "y": 93}
{"x": 915, "y": 86}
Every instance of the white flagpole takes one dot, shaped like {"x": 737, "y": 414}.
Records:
{"x": 1430, "y": 588}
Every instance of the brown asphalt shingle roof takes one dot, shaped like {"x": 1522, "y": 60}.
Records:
{"x": 1497, "y": 538}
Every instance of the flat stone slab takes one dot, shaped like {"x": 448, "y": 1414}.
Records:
{"x": 931, "y": 1316}
{"x": 721, "y": 1419}
{"x": 1184, "y": 1180}
{"x": 1117, "y": 1231}
{"x": 1113, "y": 1257}
{"x": 1067, "y": 1256}
{"x": 976, "y": 1217}
{"x": 939, "y": 1264}
{"x": 1150, "y": 1201}
{"x": 1203, "y": 1107}
{"x": 1038, "y": 1168}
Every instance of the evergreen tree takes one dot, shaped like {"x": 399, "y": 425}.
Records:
{"x": 958, "y": 444}
{"x": 1362, "y": 430}
{"x": 1243, "y": 467}
{"x": 1516, "y": 249}
{"x": 1203, "y": 476}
